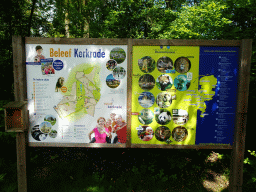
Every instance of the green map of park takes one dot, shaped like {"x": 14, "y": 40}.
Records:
{"x": 83, "y": 92}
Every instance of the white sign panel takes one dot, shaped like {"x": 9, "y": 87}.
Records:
{"x": 77, "y": 93}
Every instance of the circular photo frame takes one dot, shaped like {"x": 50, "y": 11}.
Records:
{"x": 145, "y": 133}
{"x": 45, "y": 127}
{"x": 180, "y": 116}
{"x": 112, "y": 82}
{"x": 37, "y": 134}
{"x": 119, "y": 73}
{"x": 146, "y": 116}
{"x": 163, "y": 117}
{"x": 51, "y": 119}
{"x": 162, "y": 133}
{"x": 164, "y": 65}
{"x": 111, "y": 65}
{"x": 181, "y": 83}
{"x": 179, "y": 134}
{"x": 182, "y": 65}
{"x": 146, "y": 99}
{"x": 53, "y": 134}
{"x": 146, "y": 64}
{"x": 164, "y": 99}
{"x": 164, "y": 82}
{"x": 147, "y": 82}
{"x": 118, "y": 54}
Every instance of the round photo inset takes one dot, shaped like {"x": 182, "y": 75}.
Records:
{"x": 53, "y": 134}
{"x": 180, "y": 116}
{"x": 181, "y": 83}
{"x": 145, "y": 133}
{"x": 182, "y": 65}
{"x": 45, "y": 127}
{"x": 164, "y": 82}
{"x": 146, "y": 99}
{"x": 119, "y": 73}
{"x": 179, "y": 133}
{"x": 118, "y": 54}
{"x": 147, "y": 82}
{"x": 146, "y": 64}
{"x": 51, "y": 119}
{"x": 164, "y": 65}
{"x": 163, "y": 117}
{"x": 112, "y": 82}
{"x": 111, "y": 65}
{"x": 164, "y": 99}
{"x": 146, "y": 116}
{"x": 162, "y": 133}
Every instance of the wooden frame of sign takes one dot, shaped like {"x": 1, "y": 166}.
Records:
{"x": 20, "y": 90}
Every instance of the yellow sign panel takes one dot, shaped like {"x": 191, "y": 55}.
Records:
{"x": 165, "y": 96}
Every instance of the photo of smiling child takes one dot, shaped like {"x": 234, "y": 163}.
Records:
{"x": 39, "y": 55}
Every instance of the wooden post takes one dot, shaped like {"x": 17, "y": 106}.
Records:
{"x": 20, "y": 90}
{"x": 237, "y": 155}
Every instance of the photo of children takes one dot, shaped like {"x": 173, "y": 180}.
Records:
{"x": 102, "y": 134}
{"x": 146, "y": 64}
{"x": 146, "y": 133}
{"x": 46, "y": 67}
{"x": 39, "y": 55}
{"x": 107, "y": 129}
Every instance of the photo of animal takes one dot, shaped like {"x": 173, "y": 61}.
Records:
{"x": 59, "y": 84}
{"x": 164, "y": 64}
{"x": 164, "y": 100}
{"x": 164, "y": 117}
{"x": 146, "y": 64}
{"x": 179, "y": 133}
{"x": 182, "y": 65}
{"x": 162, "y": 133}
{"x": 146, "y": 116}
{"x": 164, "y": 82}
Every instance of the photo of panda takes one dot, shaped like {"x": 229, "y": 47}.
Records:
{"x": 164, "y": 117}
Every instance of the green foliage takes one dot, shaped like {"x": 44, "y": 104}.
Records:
{"x": 203, "y": 21}
{"x": 250, "y": 169}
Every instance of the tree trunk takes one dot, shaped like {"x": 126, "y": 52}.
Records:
{"x": 30, "y": 17}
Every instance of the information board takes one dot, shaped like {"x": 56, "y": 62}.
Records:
{"x": 184, "y": 95}
{"x": 77, "y": 93}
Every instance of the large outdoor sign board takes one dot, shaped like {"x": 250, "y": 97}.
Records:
{"x": 131, "y": 94}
